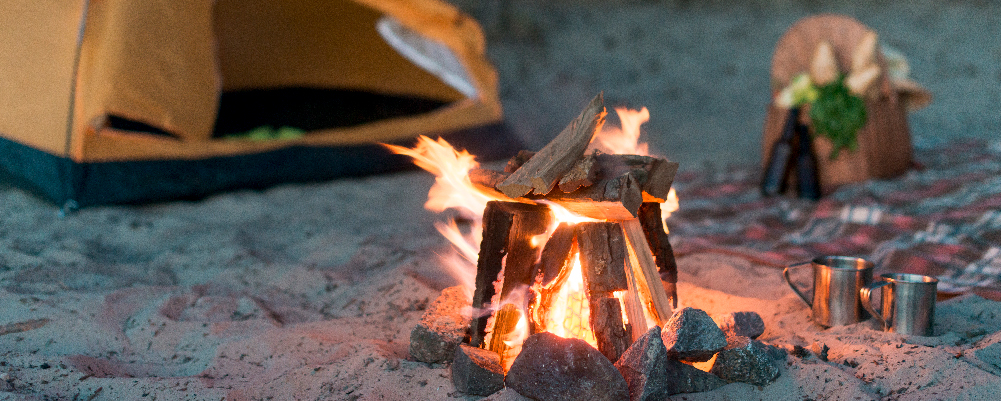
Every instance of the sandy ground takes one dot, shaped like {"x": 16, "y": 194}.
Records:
{"x": 311, "y": 291}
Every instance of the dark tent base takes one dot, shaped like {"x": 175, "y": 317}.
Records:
{"x": 71, "y": 184}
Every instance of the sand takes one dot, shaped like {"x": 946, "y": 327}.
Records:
{"x": 311, "y": 291}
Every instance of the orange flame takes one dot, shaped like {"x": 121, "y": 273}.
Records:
{"x": 568, "y": 316}
{"x": 624, "y": 140}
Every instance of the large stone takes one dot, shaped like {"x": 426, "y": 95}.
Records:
{"x": 644, "y": 366}
{"x": 685, "y": 378}
{"x": 477, "y": 371}
{"x": 442, "y": 327}
{"x": 746, "y": 324}
{"x": 652, "y": 375}
{"x": 747, "y": 361}
{"x": 691, "y": 335}
{"x": 550, "y": 367}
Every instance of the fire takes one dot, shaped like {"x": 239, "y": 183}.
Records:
{"x": 624, "y": 140}
{"x": 569, "y": 310}
{"x": 568, "y": 313}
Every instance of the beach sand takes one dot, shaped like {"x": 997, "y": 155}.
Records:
{"x": 311, "y": 291}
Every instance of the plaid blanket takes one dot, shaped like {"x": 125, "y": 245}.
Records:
{"x": 942, "y": 218}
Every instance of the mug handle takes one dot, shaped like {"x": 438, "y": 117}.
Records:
{"x": 865, "y": 295}
{"x": 785, "y": 273}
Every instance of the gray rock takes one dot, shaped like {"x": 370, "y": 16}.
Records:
{"x": 747, "y": 324}
{"x": 644, "y": 366}
{"x": 553, "y": 368}
{"x": 691, "y": 335}
{"x": 747, "y": 361}
{"x": 685, "y": 378}
{"x": 507, "y": 394}
{"x": 477, "y": 371}
{"x": 652, "y": 375}
{"x": 442, "y": 327}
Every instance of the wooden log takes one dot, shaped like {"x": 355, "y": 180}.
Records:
{"x": 542, "y": 171}
{"x": 602, "y": 256}
{"x": 609, "y": 331}
{"x": 505, "y": 320}
{"x": 635, "y": 307}
{"x": 662, "y": 173}
{"x": 602, "y": 250}
{"x": 486, "y": 181}
{"x": 486, "y": 178}
{"x": 618, "y": 198}
{"x": 518, "y": 160}
{"x": 555, "y": 264}
{"x": 642, "y": 261}
{"x": 520, "y": 268}
{"x": 508, "y": 228}
{"x": 654, "y": 174}
{"x": 556, "y": 253}
{"x": 497, "y": 224}
{"x": 653, "y": 229}
{"x": 620, "y": 184}
{"x": 584, "y": 173}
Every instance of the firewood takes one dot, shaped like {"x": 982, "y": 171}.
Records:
{"x": 555, "y": 264}
{"x": 618, "y": 198}
{"x": 606, "y": 322}
{"x": 557, "y": 252}
{"x": 634, "y": 306}
{"x": 497, "y": 224}
{"x": 602, "y": 256}
{"x": 654, "y": 174}
{"x": 641, "y": 258}
{"x": 542, "y": 171}
{"x": 486, "y": 178}
{"x": 508, "y": 228}
{"x": 486, "y": 181}
{"x": 583, "y": 174}
{"x": 615, "y": 199}
{"x": 505, "y": 320}
{"x": 518, "y": 160}
{"x": 519, "y": 267}
{"x": 619, "y": 184}
{"x": 603, "y": 264}
{"x": 661, "y": 177}
{"x": 653, "y": 229}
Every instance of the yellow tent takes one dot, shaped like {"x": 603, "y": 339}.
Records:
{"x": 115, "y": 101}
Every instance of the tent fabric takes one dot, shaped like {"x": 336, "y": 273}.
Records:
{"x": 120, "y": 101}
{"x": 95, "y": 183}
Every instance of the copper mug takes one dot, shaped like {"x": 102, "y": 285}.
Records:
{"x": 908, "y": 303}
{"x": 837, "y": 281}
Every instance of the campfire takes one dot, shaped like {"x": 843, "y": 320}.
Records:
{"x": 572, "y": 237}
{"x": 569, "y": 240}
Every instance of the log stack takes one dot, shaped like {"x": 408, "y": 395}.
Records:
{"x": 625, "y": 250}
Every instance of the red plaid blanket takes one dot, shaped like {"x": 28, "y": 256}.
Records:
{"x": 942, "y": 219}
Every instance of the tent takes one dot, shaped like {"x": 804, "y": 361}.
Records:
{"x": 124, "y": 101}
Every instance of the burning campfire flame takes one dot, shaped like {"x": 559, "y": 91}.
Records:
{"x": 568, "y": 313}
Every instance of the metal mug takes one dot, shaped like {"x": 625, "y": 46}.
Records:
{"x": 908, "y": 303}
{"x": 836, "y": 284}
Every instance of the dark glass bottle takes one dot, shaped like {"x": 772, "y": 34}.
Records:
{"x": 775, "y": 179}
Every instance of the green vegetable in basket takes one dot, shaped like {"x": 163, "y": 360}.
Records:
{"x": 838, "y": 115}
